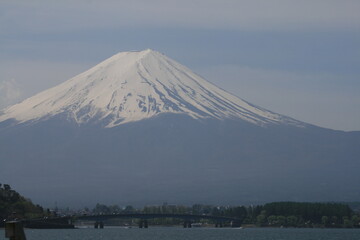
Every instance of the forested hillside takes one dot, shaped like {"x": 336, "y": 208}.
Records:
{"x": 13, "y": 205}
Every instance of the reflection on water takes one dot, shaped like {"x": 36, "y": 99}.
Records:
{"x": 177, "y": 233}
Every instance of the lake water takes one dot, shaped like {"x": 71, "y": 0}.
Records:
{"x": 177, "y": 233}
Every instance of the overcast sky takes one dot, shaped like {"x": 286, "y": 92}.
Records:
{"x": 297, "y": 58}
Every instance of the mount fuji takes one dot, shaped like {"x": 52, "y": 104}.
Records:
{"x": 133, "y": 86}
{"x": 141, "y": 128}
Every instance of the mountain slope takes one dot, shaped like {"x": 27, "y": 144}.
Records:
{"x": 177, "y": 159}
{"x": 131, "y": 86}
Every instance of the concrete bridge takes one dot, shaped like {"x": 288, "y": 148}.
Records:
{"x": 14, "y": 229}
{"x": 188, "y": 219}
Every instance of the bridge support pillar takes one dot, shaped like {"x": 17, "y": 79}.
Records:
{"x": 143, "y": 223}
{"x": 219, "y": 224}
{"x": 187, "y": 224}
{"x": 235, "y": 224}
{"x": 99, "y": 224}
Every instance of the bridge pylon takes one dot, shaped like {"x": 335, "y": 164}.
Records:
{"x": 218, "y": 224}
{"x": 235, "y": 224}
{"x": 187, "y": 224}
{"x": 99, "y": 224}
{"x": 143, "y": 223}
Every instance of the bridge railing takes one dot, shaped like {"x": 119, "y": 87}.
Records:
{"x": 155, "y": 215}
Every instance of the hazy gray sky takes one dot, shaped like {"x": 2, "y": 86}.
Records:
{"x": 298, "y": 58}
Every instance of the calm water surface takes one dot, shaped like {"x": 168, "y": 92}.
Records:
{"x": 173, "y": 233}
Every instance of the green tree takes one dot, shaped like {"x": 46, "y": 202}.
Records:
{"x": 334, "y": 221}
{"x": 12, "y": 202}
{"x": 291, "y": 221}
{"x": 356, "y": 221}
{"x": 281, "y": 220}
{"x": 129, "y": 209}
{"x": 347, "y": 223}
{"x": 272, "y": 220}
{"x": 325, "y": 221}
{"x": 260, "y": 220}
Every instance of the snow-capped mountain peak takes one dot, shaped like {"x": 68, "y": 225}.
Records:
{"x": 131, "y": 86}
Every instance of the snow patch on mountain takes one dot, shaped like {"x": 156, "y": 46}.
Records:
{"x": 132, "y": 86}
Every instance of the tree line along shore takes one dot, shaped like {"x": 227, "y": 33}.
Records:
{"x": 275, "y": 214}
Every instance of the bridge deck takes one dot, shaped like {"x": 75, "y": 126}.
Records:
{"x": 156, "y": 215}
